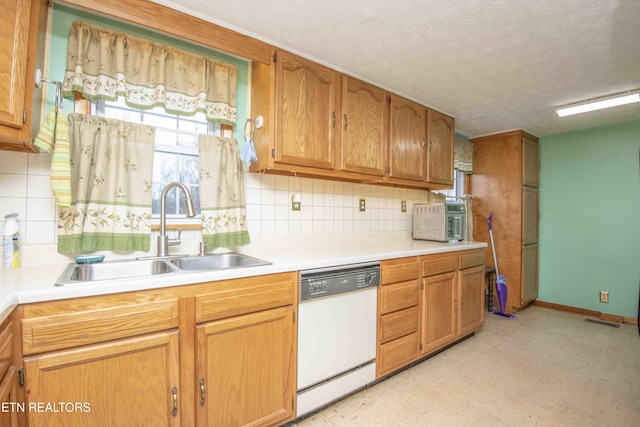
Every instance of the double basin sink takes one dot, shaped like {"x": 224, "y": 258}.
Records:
{"x": 114, "y": 270}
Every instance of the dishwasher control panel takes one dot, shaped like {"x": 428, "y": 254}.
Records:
{"x": 324, "y": 282}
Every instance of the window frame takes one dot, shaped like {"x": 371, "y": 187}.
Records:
{"x": 85, "y": 106}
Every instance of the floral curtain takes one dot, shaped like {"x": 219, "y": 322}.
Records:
{"x": 111, "y": 172}
{"x": 224, "y": 217}
{"x": 463, "y": 155}
{"x": 103, "y": 64}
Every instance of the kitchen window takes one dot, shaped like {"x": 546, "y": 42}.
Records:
{"x": 176, "y": 150}
{"x": 458, "y": 189}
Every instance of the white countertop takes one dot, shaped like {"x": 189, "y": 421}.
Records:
{"x": 34, "y": 282}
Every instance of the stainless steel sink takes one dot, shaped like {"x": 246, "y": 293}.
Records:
{"x": 113, "y": 270}
{"x": 217, "y": 262}
{"x": 129, "y": 269}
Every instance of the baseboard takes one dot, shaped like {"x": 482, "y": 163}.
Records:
{"x": 590, "y": 313}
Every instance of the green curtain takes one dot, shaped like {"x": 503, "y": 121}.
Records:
{"x": 224, "y": 217}
{"x": 111, "y": 172}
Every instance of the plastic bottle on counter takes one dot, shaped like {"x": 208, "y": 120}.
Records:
{"x": 11, "y": 242}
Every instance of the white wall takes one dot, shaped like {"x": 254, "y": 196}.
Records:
{"x": 327, "y": 206}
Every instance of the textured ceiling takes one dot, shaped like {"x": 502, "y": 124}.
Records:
{"x": 495, "y": 65}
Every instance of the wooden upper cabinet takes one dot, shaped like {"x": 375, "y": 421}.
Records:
{"x": 306, "y": 116}
{"x": 530, "y": 162}
{"x": 408, "y": 127}
{"x": 19, "y": 24}
{"x": 440, "y": 134}
{"x": 364, "y": 127}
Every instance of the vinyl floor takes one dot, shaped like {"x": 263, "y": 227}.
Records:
{"x": 543, "y": 368}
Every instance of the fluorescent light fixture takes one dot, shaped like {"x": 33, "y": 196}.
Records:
{"x": 599, "y": 103}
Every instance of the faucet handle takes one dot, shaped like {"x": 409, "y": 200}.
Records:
{"x": 176, "y": 241}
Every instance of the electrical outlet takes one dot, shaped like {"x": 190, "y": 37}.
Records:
{"x": 403, "y": 205}
{"x": 363, "y": 205}
{"x": 604, "y": 296}
{"x": 296, "y": 204}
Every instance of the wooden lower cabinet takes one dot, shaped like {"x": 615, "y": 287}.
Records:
{"x": 471, "y": 299}
{"x": 131, "y": 382}
{"x": 437, "y": 315}
{"x": 138, "y": 358}
{"x": 8, "y": 377}
{"x": 529, "y": 279}
{"x": 417, "y": 317}
{"x": 452, "y": 297}
{"x": 243, "y": 369}
{"x": 398, "y": 302}
{"x": 8, "y": 398}
{"x": 397, "y": 353}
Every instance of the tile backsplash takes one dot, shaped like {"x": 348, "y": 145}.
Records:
{"x": 326, "y": 206}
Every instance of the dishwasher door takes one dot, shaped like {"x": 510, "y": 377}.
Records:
{"x": 336, "y": 334}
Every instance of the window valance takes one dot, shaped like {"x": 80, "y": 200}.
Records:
{"x": 104, "y": 64}
{"x": 463, "y": 155}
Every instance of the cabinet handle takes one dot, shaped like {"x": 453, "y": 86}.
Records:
{"x": 461, "y": 304}
{"x": 201, "y": 391}
{"x": 430, "y": 144}
{"x": 345, "y": 122}
{"x": 424, "y": 143}
{"x": 333, "y": 123}
{"x": 174, "y": 391}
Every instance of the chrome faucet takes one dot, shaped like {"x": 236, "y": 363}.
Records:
{"x": 163, "y": 240}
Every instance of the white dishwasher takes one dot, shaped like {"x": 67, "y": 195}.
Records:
{"x": 336, "y": 333}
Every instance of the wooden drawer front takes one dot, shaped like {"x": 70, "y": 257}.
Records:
{"x": 398, "y": 270}
{"x": 241, "y": 296}
{"x": 68, "y": 330}
{"x": 471, "y": 258}
{"x": 398, "y": 296}
{"x": 438, "y": 264}
{"x": 398, "y": 324}
{"x": 396, "y": 354}
{"x": 6, "y": 346}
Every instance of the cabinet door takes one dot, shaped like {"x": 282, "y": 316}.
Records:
{"x": 9, "y": 399}
{"x": 19, "y": 23}
{"x": 246, "y": 369}
{"x": 398, "y": 296}
{"x": 438, "y": 303}
{"x": 529, "y": 280}
{"x": 471, "y": 299}
{"x": 529, "y": 215}
{"x": 306, "y": 116}
{"x": 130, "y": 382}
{"x": 398, "y": 324}
{"x": 364, "y": 127}
{"x": 530, "y": 162}
{"x": 395, "y": 354}
{"x": 440, "y": 130}
{"x": 408, "y": 127}
{"x": 14, "y": 34}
